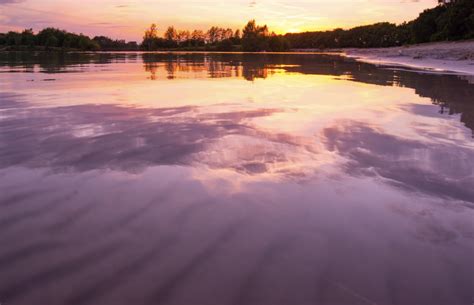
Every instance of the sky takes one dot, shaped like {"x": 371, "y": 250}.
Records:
{"x": 127, "y": 19}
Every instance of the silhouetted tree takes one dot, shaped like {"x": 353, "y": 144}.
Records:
{"x": 213, "y": 34}
{"x": 171, "y": 34}
{"x": 150, "y": 38}
{"x": 256, "y": 38}
{"x": 198, "y": 38}
{"x": 109, "y": 44}
{"x": 28, "y": 38}
{"x": 183, "y": 37}
{"x": 152, "y": 32}
{"x": 450, "y": 21}
{"x": 236, "y": 39}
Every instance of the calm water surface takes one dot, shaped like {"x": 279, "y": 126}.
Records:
{"x": 199, "y": 179}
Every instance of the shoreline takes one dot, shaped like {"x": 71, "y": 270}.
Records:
{"x": 441, "y": 57}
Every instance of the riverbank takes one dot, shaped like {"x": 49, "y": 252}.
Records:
{"x": 455, "y": 57}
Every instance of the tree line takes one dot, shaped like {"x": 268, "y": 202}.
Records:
{"x": 447, "y": 22}
{"x": 253, "y": 38}
{"x": 55, "y": 39}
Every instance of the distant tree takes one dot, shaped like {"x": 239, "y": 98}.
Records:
{"x": 227, "y": 34}
{"x": 152, "y": 32}
{"x": 150, "y": 38}
{"x": 132, "y": 45}
{"x": 237, "y": 34}
{"x": 85, "y": 43}
{"x": 67, "y": 43}
{"x": 254, "y": 37}
{"x": 198, "y": 38}
{"x": 183, "y": 37}
{"x": 48, "y": 36}
{"x": 13, "y": 38}
{"x": 213, "y": 34}
{"x": 278, "y": 43}
{"x": 28, "y": 38}
{"x": 51, "y": 41}
{"x": 171, "y": 34}
{"x": 236, "y": 38}
{"x": 198, "y": 35}
{"x": 109, "y": 44}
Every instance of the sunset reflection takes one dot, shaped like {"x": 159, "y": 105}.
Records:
{"x": 257, "y": 165}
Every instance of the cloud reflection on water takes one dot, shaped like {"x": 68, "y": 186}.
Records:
{"x": 431, "y": 168}
{"x": 332, "y": 208}
{"x": 93, "y": 136}
{"x": 88, "y": 137}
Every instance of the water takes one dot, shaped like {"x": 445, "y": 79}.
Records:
{"x": 233, "y": 179}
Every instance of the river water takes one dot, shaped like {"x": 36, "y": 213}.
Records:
{"x": 240, "y": 179}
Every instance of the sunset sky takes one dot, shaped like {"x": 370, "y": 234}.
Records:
{"x": 126, "y": 19}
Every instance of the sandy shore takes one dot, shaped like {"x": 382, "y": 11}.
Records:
{"x": 444, "y": 57}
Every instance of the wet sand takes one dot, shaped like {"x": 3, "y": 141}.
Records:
{"x": 445, "y": 56}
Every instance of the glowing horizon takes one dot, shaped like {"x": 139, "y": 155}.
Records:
{"x": 127, "y": 19}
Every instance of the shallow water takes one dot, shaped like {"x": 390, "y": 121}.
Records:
{"x": 220, "y": 179}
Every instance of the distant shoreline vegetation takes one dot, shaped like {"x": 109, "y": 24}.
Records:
{"x": 253, "y": 38}
{"x": 450, "y": 21}
{"x": 52, "y": 39}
